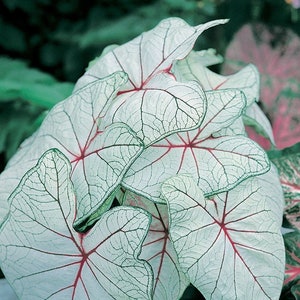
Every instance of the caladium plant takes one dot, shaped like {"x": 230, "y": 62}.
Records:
{"x": 151, "y": 130}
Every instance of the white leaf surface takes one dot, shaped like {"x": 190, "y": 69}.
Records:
{"x": 247, "y": 79}
{"x": 151, "y": 53}
{"x": 99, "y": 157}
{"x": 230, "y": 246}
{"x": 44, "y": 258}
{"x": 204, "y": 57}
{"x": 169, "y": 280}
{"x": 162, "y": 107}
{"x": 217, "y": 163}
{"x": 152, "y": 97}
{"x": 6, "y": 292}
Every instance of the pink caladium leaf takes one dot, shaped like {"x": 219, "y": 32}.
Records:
{"x": 285, "y": 115}
{"x": 217, "y": 163}
{"x": 99, "y": 158}
{"x": 44, "y": 258}
{"x": 287, "y": 162}
{"x": 280, "y": 75}
{"x": 229, "y": 246}
{"x": 292, "y": 267}
{"x": 169, "y": 280}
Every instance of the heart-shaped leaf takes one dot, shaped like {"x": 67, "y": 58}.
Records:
{"x": 99, "y": 158}
{"x": 44, "y": 258}
{"x": 218, "y": 163}
{"x": 149, "y": 54}
{"x": 230, "y": 246}
{"x": 169, "y": 280}
{"x": 287, "y": 162}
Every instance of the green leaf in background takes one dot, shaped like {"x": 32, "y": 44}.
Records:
{"x": 18, "y": 81}
{"x": 25, "y": 93}
{"x": 287, "y": 162}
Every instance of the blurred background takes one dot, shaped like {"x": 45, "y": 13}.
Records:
{"x": 46, "y": 45}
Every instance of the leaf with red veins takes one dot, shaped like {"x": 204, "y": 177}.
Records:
{"x": 97, "y": 175}
{"x": 287, "y": 162}
{"x": 149, "y": 54}
{"x": 44, "y": 258}
{"x": 246, "y": 80}
{"x": 164, "y": 106}
{"x": 169, "y": 280}
{"x": 230, "y": 247}
{"x": 152, "y": 102}
{"x": 97, "y": 156}
{"x": 217, "y": 163}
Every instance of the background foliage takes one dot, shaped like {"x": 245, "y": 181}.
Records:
{"x": 45, "y": 46}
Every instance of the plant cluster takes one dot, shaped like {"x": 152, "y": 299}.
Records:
{"x": 145, "y": 181}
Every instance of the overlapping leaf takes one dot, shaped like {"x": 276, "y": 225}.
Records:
{"x": 99, "y": 158}
{"x": 44, "y": 258}
{"x": 162, "y": 107}
{"x": 192, "y": 68}
{"x": 147, "y": 60}
{"x": 218, "y": 163}
{"x": 287, "y": 162}
{"x": 169, "y": 280}
{"x": 230, "y": 246}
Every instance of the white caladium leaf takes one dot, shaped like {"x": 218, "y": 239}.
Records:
{"x": 236, "y": 128}
{"x": 99, "y": 158}
{"x": 256, "y": 118}
{"x": 44, "y": 258}
{"x": 205, "y": 58}
{"x": 151, "y": 89}
{"x": 149, "y": 54}
{"x": 247, "y": 79}
{"x": 230, "y": 246}
{"x": 162, "y": 107}
{"x": 169, "y": 280}
{"x": 218, "y": 163}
